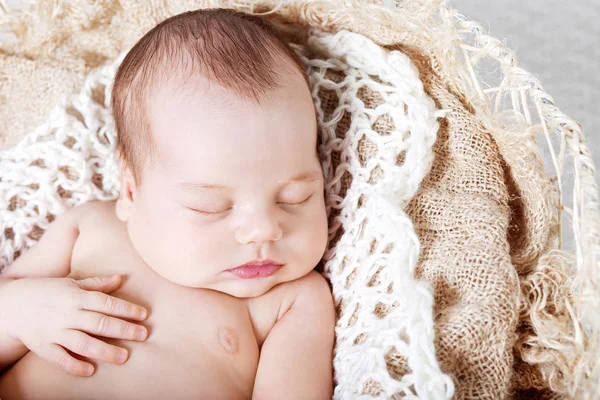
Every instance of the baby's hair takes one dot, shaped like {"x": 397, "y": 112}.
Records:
{"x": 239, "y": 51}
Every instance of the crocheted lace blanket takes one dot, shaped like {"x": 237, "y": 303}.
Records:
{"x": 419, "y": 207}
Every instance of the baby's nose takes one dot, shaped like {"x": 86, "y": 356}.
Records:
{"x": 259, "y": 227}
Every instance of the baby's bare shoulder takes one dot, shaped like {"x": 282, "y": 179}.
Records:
{"x": 96, "y": 207}
{"x": 309, "y": 293}
{"x": 267, "y": 309}
{"x": 312, "y": 287}
{"x": 310, "y": 284}
{"x": 87, "y": 209}
{"x": 95, "y": 211}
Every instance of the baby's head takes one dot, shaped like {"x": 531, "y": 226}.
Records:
{"x": 217, "y": 140}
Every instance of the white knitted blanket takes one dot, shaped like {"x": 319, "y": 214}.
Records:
{"x": 373, "y": 249}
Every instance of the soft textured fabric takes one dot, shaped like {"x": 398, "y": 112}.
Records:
{"x": 438, "y": 213}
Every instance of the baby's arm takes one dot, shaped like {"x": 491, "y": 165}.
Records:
{"x": 50, "y": 257}
{"x": 43, "y": 311}
{"x": 296, "y": 357}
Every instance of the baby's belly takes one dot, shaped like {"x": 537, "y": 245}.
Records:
{"x": 201, "y": 344}
{"x": 179, "y": 360}
{"x": 152, "y": 373}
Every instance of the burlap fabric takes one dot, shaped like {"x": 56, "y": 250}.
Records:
{"x": 462, "y": 218}
{"x": 480, "y": 217}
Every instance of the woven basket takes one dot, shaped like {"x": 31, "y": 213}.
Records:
{"x": 517, "y": 96}
{"x": 557, "y": 328}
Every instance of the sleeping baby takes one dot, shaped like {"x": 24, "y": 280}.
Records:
{"x": 198, "y": 282}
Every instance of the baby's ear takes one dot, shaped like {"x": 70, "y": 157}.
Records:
{"x": 127, "y": 195}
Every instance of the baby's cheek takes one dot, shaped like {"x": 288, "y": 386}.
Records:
{"x": 316, "y": 236}
{"x": 174, "y": 249}
{"x": 209, "y": 248}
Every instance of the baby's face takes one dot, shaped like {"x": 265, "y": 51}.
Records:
{"x": 267, "y": 199}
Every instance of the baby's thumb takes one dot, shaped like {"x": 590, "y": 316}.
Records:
{"x": 100, "y": 283}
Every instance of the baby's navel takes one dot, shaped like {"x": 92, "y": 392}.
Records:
{"x": 228, "y": 339}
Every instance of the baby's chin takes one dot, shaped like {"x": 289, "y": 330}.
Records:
{"x": 244, "y": 290}
{"x": 248, "y": 288}
{"x": 236, "y": 287}
{"x": 232, "y": 285}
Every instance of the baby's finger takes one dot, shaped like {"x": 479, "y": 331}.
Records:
{"x": 102, "y": 325}
{"x": 100, "y": 283}
{"x": 87, "y": 346}
{"x": 64, "y": 361}
{"x": 109, "y": 305}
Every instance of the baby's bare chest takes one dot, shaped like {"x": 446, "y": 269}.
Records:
{"x": 175, "y": 311}
{"x": 201, "y": 343}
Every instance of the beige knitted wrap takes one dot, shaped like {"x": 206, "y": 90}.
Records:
{"x": 445, "y": 256}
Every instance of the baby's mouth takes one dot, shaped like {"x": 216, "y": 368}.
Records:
{"x": 256, "y": 269}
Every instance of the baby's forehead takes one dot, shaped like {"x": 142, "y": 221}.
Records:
{"x": 191, "y": 109}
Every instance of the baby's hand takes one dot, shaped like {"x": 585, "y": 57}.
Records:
{"x": 49, "y": 315}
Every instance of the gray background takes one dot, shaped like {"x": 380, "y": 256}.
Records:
{"x": 559, "y": 42}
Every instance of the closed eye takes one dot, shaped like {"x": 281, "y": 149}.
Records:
{"x": 303, "y": 202}
{"x": 297, "y": 204}
{"x": 207, "y": 212}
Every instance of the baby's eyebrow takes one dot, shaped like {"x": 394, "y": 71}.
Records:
{"x": 308, "y": 176}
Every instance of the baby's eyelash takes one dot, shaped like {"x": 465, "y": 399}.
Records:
{"x": 298, "y": 204}
{"x": 220, "y": 212}
{"x": 207, "y": 212}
